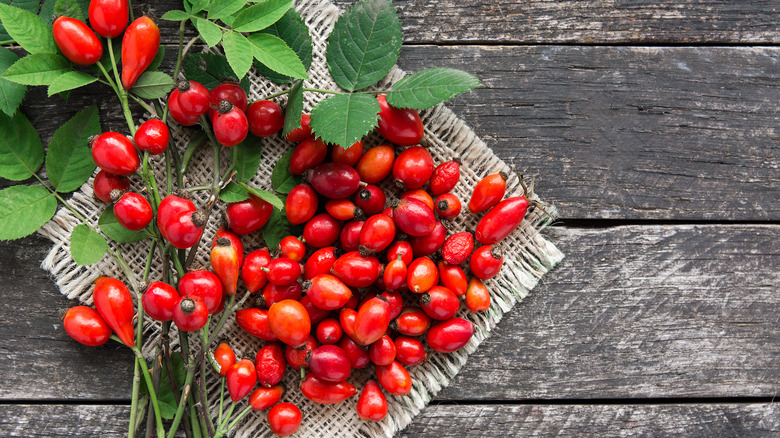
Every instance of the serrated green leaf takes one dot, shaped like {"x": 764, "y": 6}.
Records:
{"x": 68, "y": 158}
{"x": 86, "y": 246}
{"x": 175, "y": 15}
{"x": 364, "y": 45}
{"x": 345, "y": 118}
{"x": 38, "y": 69}
{"x": 72, "y": 8}
{"x": 24, "y": 209}
{"x": 152, "y": 85}
{"x": 47, "y": 11}
{"x": 69, "y": 81}
{"x": 430, "y": 87}
{"x": 27, "y": 29}
{"x": 233, "y": 193}
{"x": 210, "y": 69}
{"x": 246, "y": 158}
{"x": 223, "y": 8}
{"x": 281, "y": 179}
{"x": 111, "y": 228}
{"x": 261, "y": 15}
{"x": 265, "y": 195}
{"x": 209, "y": 32}
{"x": 158, "y": 59}
{"x": 200, "y": 5}
{"x": 278, "y": 228}
{"x": 292, "y": 115}
{"x": 293, "y": 31}
{"x": 11, "y": 94}
{"x": 238, "y": 52}
{"x": 27, "y": 5}
{"x": 274, "y": 53}
{"x": 21, "y": 151}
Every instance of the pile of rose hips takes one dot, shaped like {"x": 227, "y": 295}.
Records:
{"x": 333, "y": 299}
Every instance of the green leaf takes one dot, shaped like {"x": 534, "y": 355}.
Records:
{"x": 69, "y": 81}
{"x": 158, "y": 59}
{"x": 345, "y": 118}
{"x": 265, "y": 195}
{"x": 293, "y": 31}
{"x": 292, "y": 115}
{"x": 38, "y": 69}
{"x": 274, "y": 53}
{"x": 68, "y": 159}
{"x": 175, "y": 15}
{"x": 11, "y": 94}
{"x": 27, "y": 5}
{"x": 260, "y": 15}
{"x": 238, "y": 52}
{"x": 430, "y": 87}
{"x": 233, "y": 193}
{"x": 21, "y": 151}
{"x": 72, "y": 8}
{"x": 210, "y": 70}
{"x": 223, "y": 8}
{"x": 27, "y": 29}
{"x": 165, "y": 397}
{"x": 86, "y": 246}
{"x": 116, "y": 43}
{"x": 278, "y": 228}
{"x": 153, "y": 85}
{"x": 111, "y": 228}
{"x": 24, "y": 209}
{"x": 364, "y": 44}
{"x": 281, "y": 179}
{"x": 246, "y": 158}
{"x": 209, "y": 32}
{"x": 200, "y": 5}
{"x": 47, "y": 11}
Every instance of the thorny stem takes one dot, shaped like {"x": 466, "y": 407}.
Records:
{"x": 221, "y": 399}
{"x": 180, "y": 56}
{"x": 148, "y": 266}
{"x": 170, "y": 151}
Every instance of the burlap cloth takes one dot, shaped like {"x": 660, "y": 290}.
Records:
{"x": 528, "y": 255}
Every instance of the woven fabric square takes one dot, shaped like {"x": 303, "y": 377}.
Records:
{"x": 528, "y": 255}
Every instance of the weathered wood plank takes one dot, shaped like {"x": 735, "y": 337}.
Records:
{"x": 566, "y": 21}
{"x": 679, "y": 311}
{"x": 611, "y": 132}
{"x": 722, "y": 420}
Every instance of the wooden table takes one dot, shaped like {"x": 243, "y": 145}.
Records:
{"x": 651, "y": 125}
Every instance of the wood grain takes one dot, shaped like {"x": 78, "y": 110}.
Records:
{"x": 722, "y": 420}
{"x": 638, "y": 311}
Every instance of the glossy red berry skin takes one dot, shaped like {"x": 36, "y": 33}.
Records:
{"x": 264, "y": 398}
{"x": 307, "y": 154}
{"x": 249, "y": 215}
{"x": 139, "y": 47}
{"x": 273, "y": 293}
{"x": 190, "y": 314}
{"x": 252, "y": 274}
{"x": 477, "y": 296}
{"x": 453, "y": 278}
{"x": 77, "y": 41}
{"x": 133, "y": 211}
{"x": 183, "y": 230}
{"x": 303, "y": 132}
{"x": 319, "y": 262}
{"x": 321, "y": 230}
{"x": 193, "y": 97}
{"x": 333, "y": 180}
{"x": 159, "y": 301}
{"x": 422, "y": 275}
{"x": 171, "y": 206}
{"x": 372, "y": 320}
{"x": 486, "y": 261}
{"x": 292, "y": 248}
{"x": 204, "y": 285}
{"x": 355, "y": 270}
{"x": 266, "y": 118}
{"x": 104, "y": 183}
{"x": 108, "y": 18}
{"x": 115, "y": 153}
{"x": 230, "y": 124}
{"x": 457, "y": 248}
{"x": 255, "y": 322}
{"x": 241, "y": 379}
{"x": 358, "y": 356}
{"x": 326, "y": 393}
{"x": 419, "y": 194}
{"x": 382, "y": 352}
{"x": 290, "y": 322}
{"x": 440, "y": 303}
{"x": 376, "y": 164}
{"x": 488, "y": 192}
{"x": 301, "y": 204}
{"x": 412, "y": 321}
{"x": 451, "y": 335}
{"x": 270, "y": 364}
{"x": 430, "y": 243}
{"x": 394, "y": 378}
{"x": 86, "y": 326}
{"x": 329, "y": 331}
{"x": 350, "y": 236}
{"x": 400, "y": 126}
{"x": 348, "y": 156}
{"x": 394, "y": 274}
{"x": 445, "y": 177}
{"x": 330, "y": 363}
{"x": 372, "y": 404}
{"x": 297, "y": 357}
{"x": 225, "y": 357}
{"x": 396, "y": 302}
{"x": 501, "y": 220}
{"x": 225, "y": 259}
{"x": 371, "y": 199}
{"x": 328, "y": 292}
{"x": 376, "y": 234}
{"x": 447, "y": 206}
{"x": 183, "y": 118}
{"x": 230, "y": 91}
{"x": 402, "y": 248}
{"x": 284, "y": 419}
{"x": 413, "y": 217}
{"x": 413, "y": 168}
{"x": 344, "y": 209}
{"x": 152, "y": 136}
{"x": 409, "y": 351}
{"x": 283, "y": 271}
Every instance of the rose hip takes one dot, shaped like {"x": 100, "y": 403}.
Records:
{"x": 327, "y": 393}
{"x": 248, "y": 216}
{"x": 344, "y": 210}
{"x": 225, "y": 260}
{"x": 447, "y": 206}
{"x": 376, "y": 164}
{"x": 283, "y": 271}
{"x": 453, "y": 278}
{"x": 264, "y": 398}
{"x": 321, "y": 230}
{"x": 486, "y": 262}
{"x": 160, "y": 300}
{"x": 429, "y": 244}
{"x": 184, "y": 229}
{"x": 301, "y": 204}
{"x": 230, "y": 91}
{"x": 152, "y": 136}
{"x": 382, "y": 351}
{"x": 418, "y": 194}
{"x": 357, "y": 355}
{"x": 372, "y": 320}
{"x": 412, "y": 321}
{"x": 488, "y": 192}
{"x": 400, "y": 126}
{"x": 349, "y": 156}
{"x": 356, "y": 270}
{"x": 265, "y": 117}
{"x": 372, "y": 404}
{"x": 396, "y": 302}
{"x": 413, "y": 168}
{"x": 329, "y": 331}
{"x": 457, "y": 248}
{"x": 132, "y": 211}
{"x": 290, "y": 322}
{"x": 170, "y": 206}
{"x": 394, "y": 275}
{"x": 292, "y": 248}
{"x": 376, "y": 234}
{"x": 444, "y": 178}
{"x": 273, "y": 294}
{"x": 270, "y": 364}
{"x": 190, "y": 314}
{"x": 204, "y": 285}
{"x": 409, "y": 351}
{"x": 115, "y": 153}
{"x": 319, "y": 262}
{"x": 501, "y": 220}
{"x": 230, "y": 124}
{"x": 255, "y": 322}
{"x": 105, "y": 183}
{"x": 284, "y": 419}
{"x": 477, "y": 296}
{"x": 402, "y": 248}
{"x": 394, "y": 378}
{"x": 225, "y": 357}
{"x": 193, "y": 97}
{"x": 451, "y": 335}
{"x": 440, "y": 303}
{"x": 349, "y": 239}
{"x": 330, "y": 363}
{"x": 308, "y": 154}
{"x": 328, "y": 292}
{"x": 297, "y": 357}
{"x": 301, "y": 133}
{"x": 413, "y": 217}
{"x": 333, "y": 180}
{"x": 86, "y": 326}
{"x": 252, "y": 274}
{"x": 371, "y": 199}
{"x": 240, "y": 379}
{"x": 422, "y": 275}
{"x": 315, "y": 313}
